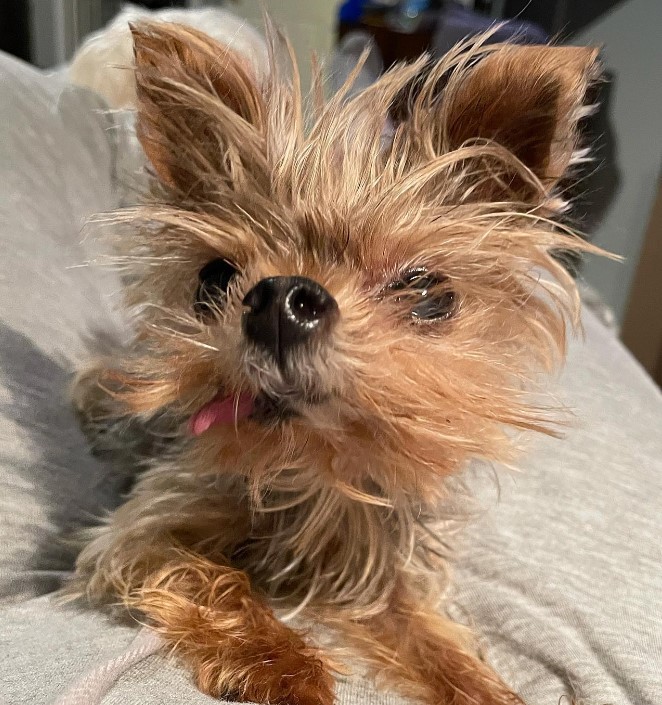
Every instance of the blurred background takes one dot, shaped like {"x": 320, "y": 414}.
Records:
{"x": 619, "y": 205}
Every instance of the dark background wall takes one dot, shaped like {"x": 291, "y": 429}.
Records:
{"x": 559, "y": 17}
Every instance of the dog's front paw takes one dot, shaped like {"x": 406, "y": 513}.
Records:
{"x": 294, "y": 679}
{"x": 310, "y": 693}
{"x": 316, "y": 688}
{"x": 112, "y": 432}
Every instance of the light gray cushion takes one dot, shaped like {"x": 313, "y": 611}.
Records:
{"x": 562, "y": 576}
{"x": 56, "y": 169}
{"x": 44, "y": 647}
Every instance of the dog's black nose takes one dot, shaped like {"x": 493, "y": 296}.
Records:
{"x": 286, "y": 311}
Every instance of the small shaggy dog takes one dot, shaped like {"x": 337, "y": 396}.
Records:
{"x": 331, "y": 320}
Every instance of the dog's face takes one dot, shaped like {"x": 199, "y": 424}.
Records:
{"x": 322, "y": 298}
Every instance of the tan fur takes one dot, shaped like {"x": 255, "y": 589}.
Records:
{"x": 214, "y": 621}
{"x": 335, "y": 512}
{"x": 422, "y": 654}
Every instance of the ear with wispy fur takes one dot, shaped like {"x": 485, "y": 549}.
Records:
{"x": 200, "y": 108}
{"x": 520, "y": 102}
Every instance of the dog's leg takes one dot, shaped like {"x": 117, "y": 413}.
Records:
{"x": 162, "y": 556}
{"x": 425, "y": 656}
{"x": 229, "y": 637}
{"x": 112, "y": 432}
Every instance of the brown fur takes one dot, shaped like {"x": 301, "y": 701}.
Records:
{"x": 334, "y": 513}
{"x": 232, "y": 639}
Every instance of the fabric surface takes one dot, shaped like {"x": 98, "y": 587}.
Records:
{"x": 48, "y": 646}
{"x": 56, "y": 169}
{"x": 561, "y": 576}
{"x": 94, "y": 684}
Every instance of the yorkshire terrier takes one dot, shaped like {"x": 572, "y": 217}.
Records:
{"x": 332, "y": 319}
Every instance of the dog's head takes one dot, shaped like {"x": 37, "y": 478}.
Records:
{"x": 318, "y": 296}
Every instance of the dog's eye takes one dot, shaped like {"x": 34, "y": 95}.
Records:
{"x": 424, "y": 292}
{"x": 213, "y": 282}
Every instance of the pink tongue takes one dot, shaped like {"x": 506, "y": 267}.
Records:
{"x": 221, "y": 410}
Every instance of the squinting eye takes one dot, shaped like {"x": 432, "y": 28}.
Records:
{"x": 421, "y": 289}
{"x": 214, "y": 279}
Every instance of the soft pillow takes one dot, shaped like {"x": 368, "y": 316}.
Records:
{"x": 56, "y": 169}
{"x": 562, "y": 573}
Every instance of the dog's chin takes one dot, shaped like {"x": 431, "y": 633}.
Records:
{"x": 281, "y": 393}
{"x": 272, "y": 411}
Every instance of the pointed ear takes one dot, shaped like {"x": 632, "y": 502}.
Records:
{"x": 526, "y": 99}
{"x": 199, "y": 106}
